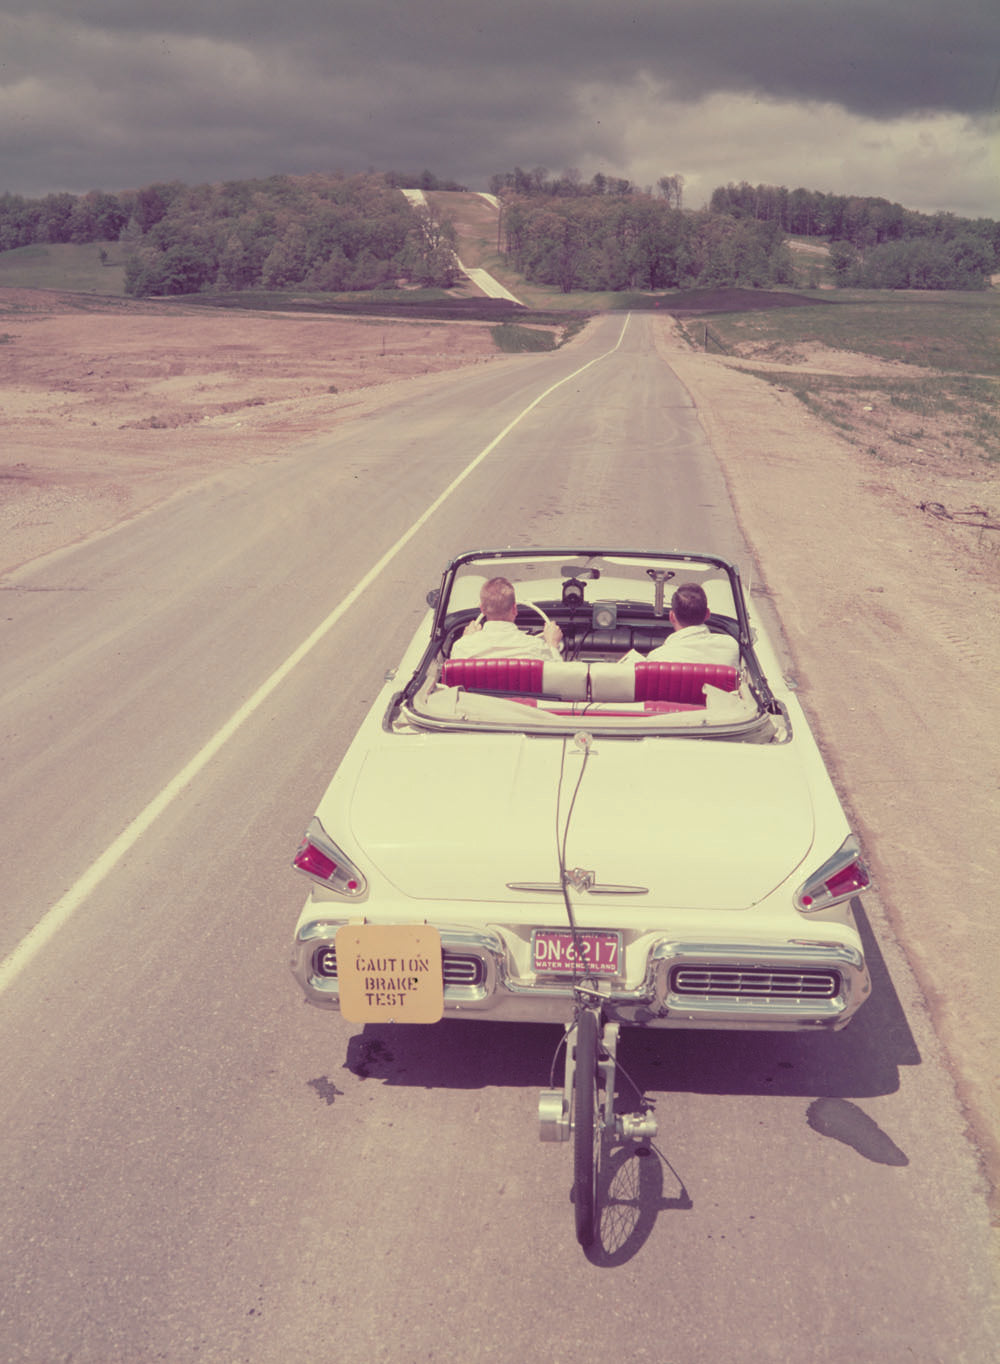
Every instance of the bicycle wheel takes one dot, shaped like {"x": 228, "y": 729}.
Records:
{"x": 586, "y": 1128}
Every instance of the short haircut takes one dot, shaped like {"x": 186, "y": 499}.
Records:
{"x": 689, "y": 604}
{"x": 496, "y": 598}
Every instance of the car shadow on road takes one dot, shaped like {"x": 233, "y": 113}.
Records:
{"x": 638, "y": 1182}
{"x": 862, "y": 1061}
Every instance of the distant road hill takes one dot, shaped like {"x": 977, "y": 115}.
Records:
{"x": 466, "y": 211}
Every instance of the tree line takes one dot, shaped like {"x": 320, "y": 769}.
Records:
{"x": 875, "y": 244}
{"x": 608, "y": 234}
{"x": 636, "y": 241}
{"x": 325, "y": 232}
{"x": 571, "y": 185}
{"x": 863, "y": 221}
{"x": 340, "y": 233}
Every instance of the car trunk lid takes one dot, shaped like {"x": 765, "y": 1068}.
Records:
{"x": 694, "y": 824}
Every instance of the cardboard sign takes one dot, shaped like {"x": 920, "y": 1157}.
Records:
{"x": 390, "y": 973}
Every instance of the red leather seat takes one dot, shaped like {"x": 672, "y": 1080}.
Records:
{"x": 681, "y": 682}
{"x": 495, "y": 674}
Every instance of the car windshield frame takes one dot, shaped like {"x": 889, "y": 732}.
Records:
{"x": 420, "y": 703}
{"x": 578, "y": 563}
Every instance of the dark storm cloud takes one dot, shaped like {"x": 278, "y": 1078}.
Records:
{"x": 874, "y": 57}
{"x": 116, "y": 93}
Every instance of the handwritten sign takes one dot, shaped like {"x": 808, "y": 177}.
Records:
{"x": 390, "y": 973}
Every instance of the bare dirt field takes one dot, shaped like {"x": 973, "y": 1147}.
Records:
{"x": 109, "y": 406}
{"x": 890, "y": 609}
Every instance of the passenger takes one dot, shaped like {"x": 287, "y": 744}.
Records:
{"x": 692, "y": 641}
{"x": 498, "y": 636}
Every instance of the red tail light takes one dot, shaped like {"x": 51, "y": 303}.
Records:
{"x": 840, "y": 877}
{"x": 320, "y": 859}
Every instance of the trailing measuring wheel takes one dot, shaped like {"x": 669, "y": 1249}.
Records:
{"x": 587, "y": 1127}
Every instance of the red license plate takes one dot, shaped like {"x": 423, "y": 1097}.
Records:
{"x": 561, "y": 952}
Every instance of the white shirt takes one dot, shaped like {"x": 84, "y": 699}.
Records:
{"x": 697, "y": 644}
{"x": 502, "y": 639}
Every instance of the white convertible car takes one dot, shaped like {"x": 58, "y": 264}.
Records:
{"x": 594, "y": 839}
{"x": 503, "y": 833}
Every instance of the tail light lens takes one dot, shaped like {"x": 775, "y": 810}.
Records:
{"x": 322, "y": 861}
{"x": 840, "y": 877}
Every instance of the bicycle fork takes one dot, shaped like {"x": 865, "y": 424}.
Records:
{"x": 555, "y": 1106}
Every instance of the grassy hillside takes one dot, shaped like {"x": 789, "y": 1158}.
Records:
{"x": 475, "y": 221}
{"x": 77, "y": 268}
{"x": 943, "y": 393}
{"x": 954, "y": 331}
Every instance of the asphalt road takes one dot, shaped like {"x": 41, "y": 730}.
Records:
{"x": 196, "y": 1165}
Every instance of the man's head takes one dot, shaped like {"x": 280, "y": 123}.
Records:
{"x": 497, "y": 600}
{"x": 689, "y": 606}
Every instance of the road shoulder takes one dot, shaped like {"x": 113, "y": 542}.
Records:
{"x": 890, "y": 626}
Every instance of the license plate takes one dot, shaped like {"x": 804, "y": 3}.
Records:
{"x": 560, "y": 952}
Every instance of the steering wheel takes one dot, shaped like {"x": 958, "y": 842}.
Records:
{"x": 480, "y": 619}
{"x": 532, "y": 606}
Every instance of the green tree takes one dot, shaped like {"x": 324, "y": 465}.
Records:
{"x": 844, "y": 263}
{"x": 56, "y": 217}
{"x": 671, "y": 188}
{"x": 235, "y": 268}
{"x": 430, "y": 258}
{"x": 153, "y": 203}
{"x": 332, "y": 274}
{"x": 285, "y": 263}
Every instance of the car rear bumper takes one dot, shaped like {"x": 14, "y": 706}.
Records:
{"x": 791, "y": 986}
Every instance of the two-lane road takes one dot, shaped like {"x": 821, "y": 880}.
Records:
{"x": 196, "y": 1165}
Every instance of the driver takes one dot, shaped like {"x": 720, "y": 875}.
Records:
{"x": 498, "y": 636}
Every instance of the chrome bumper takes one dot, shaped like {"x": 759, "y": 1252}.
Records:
{"x": 746, "y": 985}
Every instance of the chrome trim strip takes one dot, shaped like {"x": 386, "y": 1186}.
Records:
{"x": 554, "y": 888}
{"x": 536, "y": 887}
{"x": 606, "y": 888}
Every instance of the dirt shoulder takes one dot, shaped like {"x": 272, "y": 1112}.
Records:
{"x": 889, "y": 612}
{"x": 889, "y": 615}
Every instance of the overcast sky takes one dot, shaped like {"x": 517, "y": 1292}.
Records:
{"x": 884, "y": 97}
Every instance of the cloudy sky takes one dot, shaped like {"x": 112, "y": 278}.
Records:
{"x": 886, "y": 97}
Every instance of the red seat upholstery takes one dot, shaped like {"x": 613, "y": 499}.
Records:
{"x": 494, "y": 674}
{"x": 681, "y": 682}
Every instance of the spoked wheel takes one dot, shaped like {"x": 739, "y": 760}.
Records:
{"x": 586, "y": 1128}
